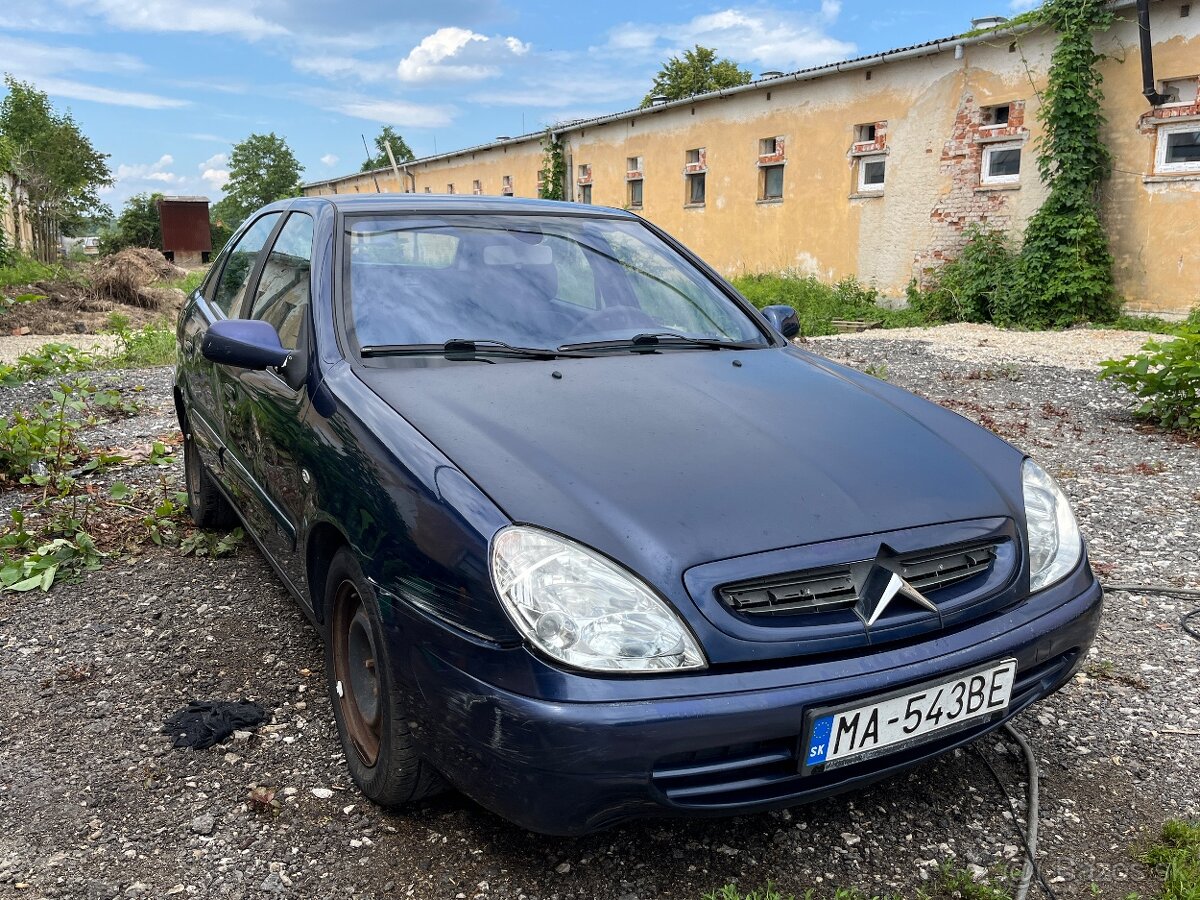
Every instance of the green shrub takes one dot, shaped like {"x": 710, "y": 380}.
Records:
{"x": 817, "y": 304}
{"x": 1166, "y": 376}
{"x": 969, "y": 288}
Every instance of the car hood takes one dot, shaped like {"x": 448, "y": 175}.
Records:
{"x": 672, "y": 459}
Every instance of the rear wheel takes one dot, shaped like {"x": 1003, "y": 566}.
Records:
{"x": 371, "y": 723}
{"x": 206, "y": 504}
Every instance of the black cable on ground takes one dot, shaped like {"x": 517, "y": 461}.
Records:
{"x": 1186, "y": 621}
{"x": 1029, "y": 838}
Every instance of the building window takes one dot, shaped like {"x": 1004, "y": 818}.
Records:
{"x": 428, "y": 189}
{"x": 771, "y": 187}
{"x": 585, "y": 173}
{"x": 872, "y": 172}
{"x": 1001, "y": 164}
{"x": 585, "y": 193}
{"x": 695, "y": 166}
{"x": 1178, "y": 148}
{"x": 506, "y": 187}
{"x": 769, "y": 146}
{"x": 633, "y": 167}
{"x": 864, "y": 134}
{"x": 449, "y": 189}
{"x": 995, "y": 116}
{"x": 635, "y": 193}
{"x": 476, "y": 186}
{"x": 1181, "y": 90}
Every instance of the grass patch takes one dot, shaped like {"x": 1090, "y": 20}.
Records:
{"x": 1177, "y": 859}
{"x": 150, "y": 345}
{"x": 818, "y": 304}
{"x": 24, "y": 270}
{"x": 1153, "y": 324}
{"x": 949, "y": 883}
{"x": 188, "y": 283}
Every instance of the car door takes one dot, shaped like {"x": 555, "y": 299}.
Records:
{"x": 219, "y": 297}
{"x": 266, "y": 411}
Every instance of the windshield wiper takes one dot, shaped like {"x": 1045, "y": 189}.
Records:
{"x": 465, "y": 348}
{"x": 649, "y": 341}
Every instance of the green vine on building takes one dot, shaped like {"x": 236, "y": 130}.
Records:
{"x": 553, "y": 173}
{"x": 1065, "y": 267}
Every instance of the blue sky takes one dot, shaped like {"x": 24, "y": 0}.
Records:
{"x": 166, "y": 87}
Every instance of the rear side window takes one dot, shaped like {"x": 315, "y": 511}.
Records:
{"x": 239, "y": 265}
{"x": 282, "y": 295}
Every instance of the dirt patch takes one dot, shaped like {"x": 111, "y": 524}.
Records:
{"x": 126, "y": 283}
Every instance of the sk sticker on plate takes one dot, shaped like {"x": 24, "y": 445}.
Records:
{"x": 818, "y": 745}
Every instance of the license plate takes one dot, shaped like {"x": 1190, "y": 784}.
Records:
{"x": 839, "y": 736}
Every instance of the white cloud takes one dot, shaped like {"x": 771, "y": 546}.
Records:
{"x": 393, "y": 112}
{"x": 169, "y": 15}
{"x": 45, "y": 65}
{"x": 132, "y": 178}
{"x": 332, "y": 66}
{"x": 764, "y": 37}
{"x": 329, "y": 159}
{"x": 458, "y": 54}
{"x": 214, "y": 171}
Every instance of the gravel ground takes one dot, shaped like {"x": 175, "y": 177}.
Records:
{"x": 95, "y": 804}
{"x": 1079, "y": 348}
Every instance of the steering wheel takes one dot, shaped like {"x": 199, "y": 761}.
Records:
{"x": 612, "y": 318}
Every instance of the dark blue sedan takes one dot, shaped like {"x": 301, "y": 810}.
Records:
{"x": 587, "y": 536}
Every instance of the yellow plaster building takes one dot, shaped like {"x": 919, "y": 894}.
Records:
{"x": 875, "y": 166}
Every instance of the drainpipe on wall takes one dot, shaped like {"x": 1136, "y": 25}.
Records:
{"x": 1149, "y": 88}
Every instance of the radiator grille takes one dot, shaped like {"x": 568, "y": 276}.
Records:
{"x": 830, "y": 589}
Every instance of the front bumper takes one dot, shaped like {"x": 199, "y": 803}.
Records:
{"x": 572, "y": 767}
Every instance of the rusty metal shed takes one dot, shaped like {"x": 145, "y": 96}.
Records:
{"x": 186, "y": 233}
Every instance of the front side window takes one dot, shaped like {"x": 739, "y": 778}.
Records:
{"x": 1178, "y": 148}
{"x": 1001, "y": 164}
{"x": 283, "y": 292}
{"x": 529, "y": 281}
{"x": 239, "y": 265}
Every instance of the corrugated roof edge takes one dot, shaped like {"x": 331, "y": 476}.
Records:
{"x": 940, "y": 45}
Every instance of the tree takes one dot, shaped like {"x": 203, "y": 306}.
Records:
{"x": 698, "y": 72}
{"x": 138, "y": 225}
{"x": 58, "y": 169}
{"x": 262, "y": 169}
{"x": 400, "y": 150}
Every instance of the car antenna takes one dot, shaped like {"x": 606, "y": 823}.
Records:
{"x": 374, "y": 177}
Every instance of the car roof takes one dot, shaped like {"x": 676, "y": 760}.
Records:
{"x": 455, "y": 203}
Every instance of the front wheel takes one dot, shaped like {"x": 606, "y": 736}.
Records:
{"x": 206, "y": 504}
{"x": 370, "y": 720}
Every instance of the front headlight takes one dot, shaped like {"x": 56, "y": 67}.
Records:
{"x": 584, "y": 610}
{"x": 1055, "y": 543}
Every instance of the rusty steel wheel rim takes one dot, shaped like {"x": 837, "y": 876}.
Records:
{"x": 356, "y": 673}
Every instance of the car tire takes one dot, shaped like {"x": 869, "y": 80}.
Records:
{"x": 371, "y": 721}
{"x": 206, "y": 504}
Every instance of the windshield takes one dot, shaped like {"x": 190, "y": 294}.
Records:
{"x": 528, "y": 281}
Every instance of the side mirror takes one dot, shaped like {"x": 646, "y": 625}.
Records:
{"x": 784, "y": 319}
{"x": 245, "y": 344}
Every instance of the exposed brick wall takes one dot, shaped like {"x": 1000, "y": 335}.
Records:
{"x": 967, "y": 203}
{"x": 878, "y": 145}
{"x": 780, "y": 154}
